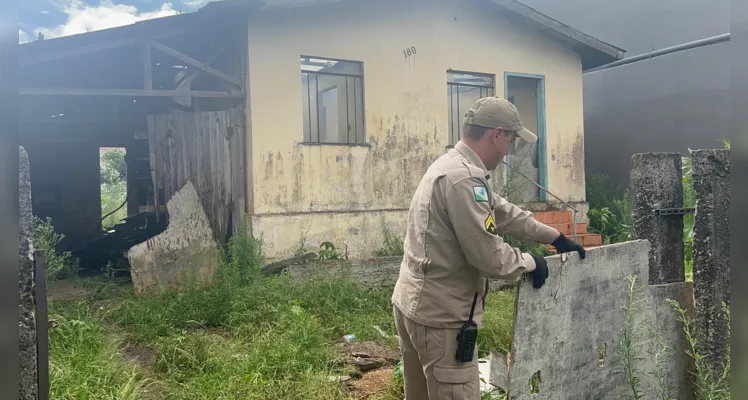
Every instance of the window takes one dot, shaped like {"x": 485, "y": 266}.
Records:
{"x": 464, "y": 89}
{"x": 333, "y": 101}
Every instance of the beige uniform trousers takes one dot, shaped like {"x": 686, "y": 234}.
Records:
{"x": 430, "y": 367}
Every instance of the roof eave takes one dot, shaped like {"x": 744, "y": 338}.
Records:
{"x": 594, "y": 52}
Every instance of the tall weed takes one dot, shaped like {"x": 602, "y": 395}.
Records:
{"x": 44, "y": 237}
{"x": 711, "y": 382}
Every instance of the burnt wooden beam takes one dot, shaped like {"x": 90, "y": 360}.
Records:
{"x": 74, "y": 52}
{"x": 278, "y": 266}
{"x": 182, "y": 80}
{"x": 195, "y": 63}
{"x": 127, "y": 92}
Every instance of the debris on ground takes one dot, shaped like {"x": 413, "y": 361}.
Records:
{"x": 366, "y": 356}
{"x": 138, "y": 354}
{"x": 372, "y": 383}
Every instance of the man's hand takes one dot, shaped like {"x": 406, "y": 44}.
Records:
{"x": 540, "y": 273}
{"x": 565, "y": 245}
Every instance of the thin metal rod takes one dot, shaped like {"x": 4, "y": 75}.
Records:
{"x": 333, "y": 74}
{"x": 542, "y": 188}
{"x": 725, "y": 37}
{"x": 488, "y": 86}
{"x": 575, "y": 211}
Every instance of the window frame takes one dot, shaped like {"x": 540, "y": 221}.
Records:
{"x": 454, "y": 137}
{"x": 316, "y": 74}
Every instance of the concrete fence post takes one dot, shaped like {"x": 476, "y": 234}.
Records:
{"x": 27, "y": 329}
{"x": 656, "y": 184}
{"x": 711, "y": 252}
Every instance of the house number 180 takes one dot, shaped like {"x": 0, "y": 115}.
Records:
{"x": 411, "y": 51}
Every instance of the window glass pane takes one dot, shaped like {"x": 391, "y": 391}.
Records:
{"x": 309, "y": 105}
{"x": 306, "y": 106}
{"x": 333, "y": 100}
{"x": 463, "y": 89}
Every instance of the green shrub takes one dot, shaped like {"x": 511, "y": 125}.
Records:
{"x": 43, "y": 237}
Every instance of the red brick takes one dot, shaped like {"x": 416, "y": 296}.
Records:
{"x": 567, "y": 230}
{"x": 591, "y": 239}
{"x": 553, "y": 217}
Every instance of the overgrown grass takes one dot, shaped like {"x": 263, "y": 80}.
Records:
{"x": 498, "y": 322}
{"x": 246, "y": 336}
{"x": 85, "y": 362}
{"x": 640, "y": 340}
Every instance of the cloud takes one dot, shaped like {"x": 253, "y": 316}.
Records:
{"x": 82, "y": 17}
{"x": 23, "y": 37}
{"x": 195, "y": 4}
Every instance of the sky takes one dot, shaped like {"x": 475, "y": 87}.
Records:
{"x": 56, "y": 18}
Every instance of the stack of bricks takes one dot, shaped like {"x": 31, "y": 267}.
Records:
{"x": 563, "y": 221}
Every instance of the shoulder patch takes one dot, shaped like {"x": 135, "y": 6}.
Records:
{"x": 490, "y": 225}
{"x": 481, "y": 194}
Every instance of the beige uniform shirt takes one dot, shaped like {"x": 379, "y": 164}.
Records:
{"x": 453, "y": 245}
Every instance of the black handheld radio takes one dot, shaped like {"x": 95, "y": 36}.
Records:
{"x": 468, "y": 336}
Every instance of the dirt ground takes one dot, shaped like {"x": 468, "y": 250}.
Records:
{"x": 376, "y": 384}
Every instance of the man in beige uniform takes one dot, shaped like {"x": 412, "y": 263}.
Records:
{"x": 453, "y": 245}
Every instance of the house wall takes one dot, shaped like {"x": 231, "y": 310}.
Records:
{"x": 340, "y": 193}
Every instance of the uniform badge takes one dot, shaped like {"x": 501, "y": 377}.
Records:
{"x": 490, "y": 225}
{"x": 481, "y": 194}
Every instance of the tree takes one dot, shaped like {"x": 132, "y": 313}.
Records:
{"x": 113, "y": 168}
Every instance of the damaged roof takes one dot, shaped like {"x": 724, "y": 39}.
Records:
{"x": 592, "y": 51}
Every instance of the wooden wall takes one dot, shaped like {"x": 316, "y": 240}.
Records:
{"x": 206, "y": 148}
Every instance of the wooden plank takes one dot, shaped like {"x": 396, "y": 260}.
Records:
{"x": 195, "y": 63}
{"x": 126, "y": 92}
{"x": 152, "y": 148}
{"x": 147, "y": 67}
{"x": 236, "y": 149}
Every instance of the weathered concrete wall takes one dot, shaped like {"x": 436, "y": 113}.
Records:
{"x": 656, "y": 183}
{"x": 185, "y": 252}
{"x": 27, "y": 316}
{"x": 711, "y": 252}
{"x": 560, "y": 329}
{"x": 406, "y": 108}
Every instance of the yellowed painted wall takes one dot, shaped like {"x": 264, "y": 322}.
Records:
{"x": 340, "y": 193}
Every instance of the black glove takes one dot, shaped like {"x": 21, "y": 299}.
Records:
{"x": 540, "y": 273}
{"x": 565, "y": 245}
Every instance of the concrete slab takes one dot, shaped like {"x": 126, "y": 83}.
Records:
{"x": 568, "y": 332}
{"x": 185, "y": 251}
